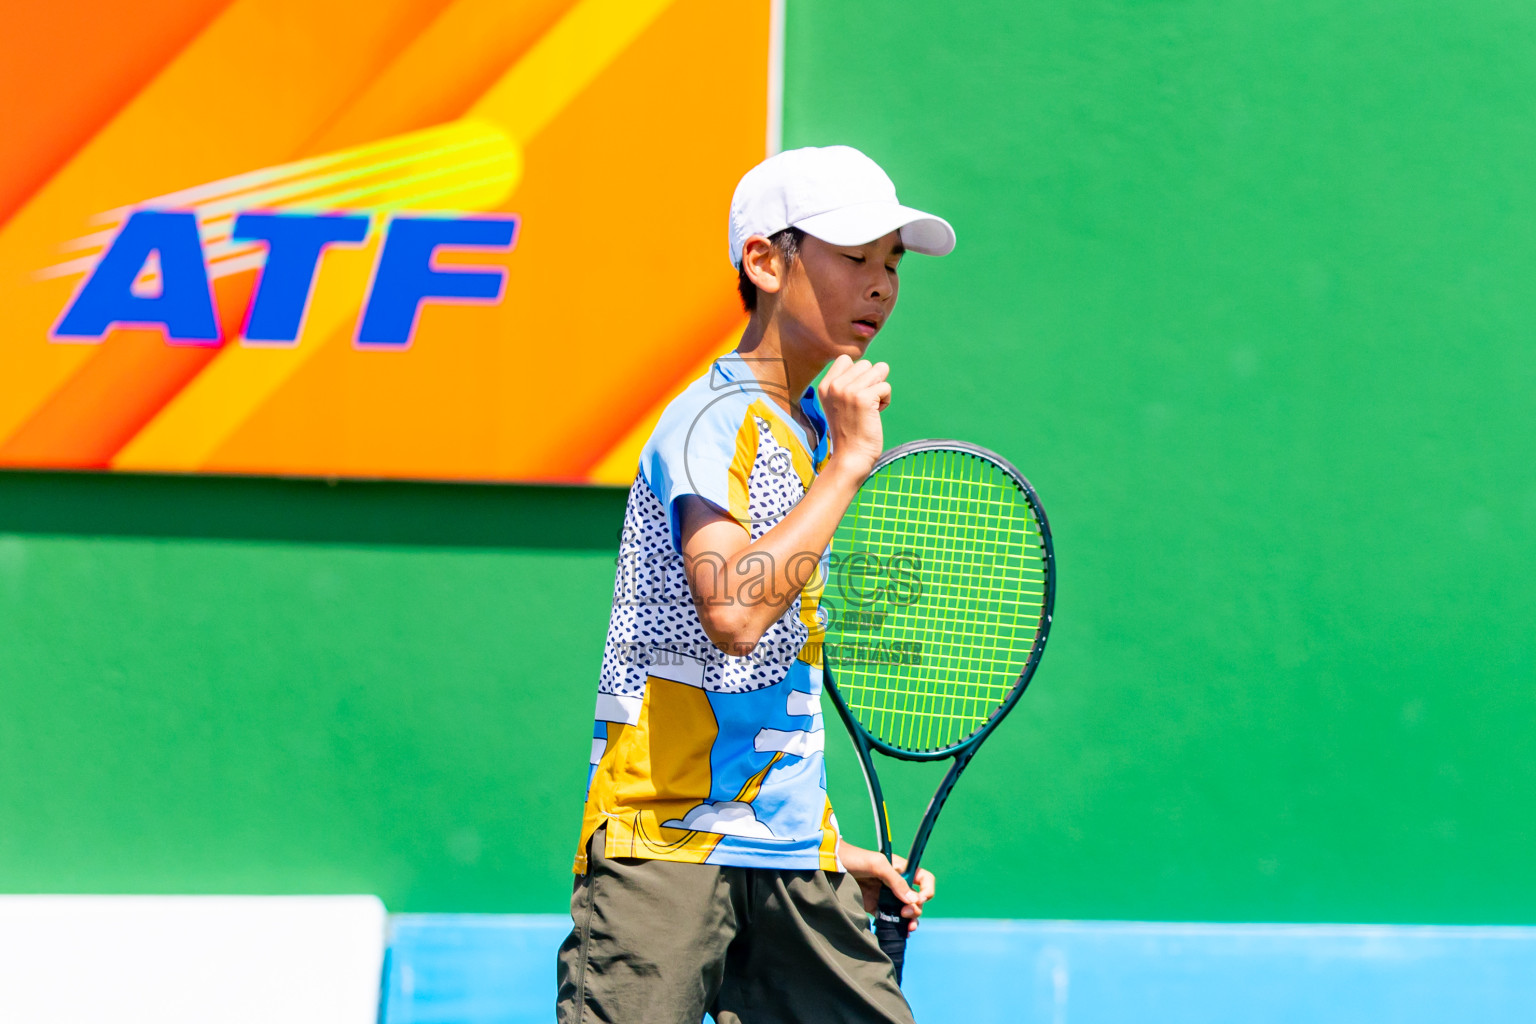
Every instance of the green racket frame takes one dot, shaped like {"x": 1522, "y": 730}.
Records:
{"x": 890, "y": 927}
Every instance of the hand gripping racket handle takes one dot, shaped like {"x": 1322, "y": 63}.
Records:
{"x": 891, "y": 929}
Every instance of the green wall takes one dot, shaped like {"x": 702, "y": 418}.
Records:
{"x": 226, "y": 685}
{"x": 1244, "y": 288}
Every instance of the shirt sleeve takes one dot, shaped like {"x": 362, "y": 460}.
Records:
{"x": 708, "y": 451}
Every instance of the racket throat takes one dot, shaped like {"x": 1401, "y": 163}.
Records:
{"x": 931, "y": 814}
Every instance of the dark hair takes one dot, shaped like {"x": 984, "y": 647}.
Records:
{"x": 788, "y": 244}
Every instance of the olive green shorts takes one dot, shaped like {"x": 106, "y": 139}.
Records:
{"x": 658, "y": 942}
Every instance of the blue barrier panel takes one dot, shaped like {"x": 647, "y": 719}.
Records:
{"x": 472, "y": 968}
{"x": 487, "y": 969}
{"x": 1096, "y": 972}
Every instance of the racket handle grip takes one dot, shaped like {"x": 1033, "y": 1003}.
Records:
{"x": 891, "y": 929}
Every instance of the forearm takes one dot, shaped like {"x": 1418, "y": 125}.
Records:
{"x": 742, "y": 588}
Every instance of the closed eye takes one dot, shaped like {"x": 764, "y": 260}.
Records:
{"x": 856, "y": 259}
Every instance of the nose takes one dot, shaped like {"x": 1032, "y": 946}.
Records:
{"x": 882, "y": 285}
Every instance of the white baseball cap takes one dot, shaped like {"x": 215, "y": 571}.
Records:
{"x": 835, "y": 193}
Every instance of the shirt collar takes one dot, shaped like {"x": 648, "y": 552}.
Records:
{"x": 734, "y": 371}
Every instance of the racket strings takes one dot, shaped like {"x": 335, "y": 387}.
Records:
{"x": 941, "y": 653}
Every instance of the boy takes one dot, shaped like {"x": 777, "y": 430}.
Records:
{"x": 711, "y": 877}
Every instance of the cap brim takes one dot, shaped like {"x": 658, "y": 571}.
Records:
{"x": 865, "y": 222}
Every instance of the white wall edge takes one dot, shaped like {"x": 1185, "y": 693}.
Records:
{"x": 775, "y": 75}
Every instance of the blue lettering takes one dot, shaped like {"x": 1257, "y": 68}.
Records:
{"x": 405, "y": 276}
{"x": 184, "y": 306}
{"x": 294, "y": 244}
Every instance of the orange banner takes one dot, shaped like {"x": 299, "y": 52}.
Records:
{"x": 453, "y": 239}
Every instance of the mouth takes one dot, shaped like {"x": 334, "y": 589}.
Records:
{"x": 866, "y": 326}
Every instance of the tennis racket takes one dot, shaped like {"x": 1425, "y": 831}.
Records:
{"x": 941, "y": 606}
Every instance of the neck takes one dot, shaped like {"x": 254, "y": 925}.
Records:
{"x": 775, "y": 365}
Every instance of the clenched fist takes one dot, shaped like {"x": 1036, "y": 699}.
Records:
{"x": 853, "y": 395}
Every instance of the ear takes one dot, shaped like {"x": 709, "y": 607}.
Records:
{"x": 763, "y": 263}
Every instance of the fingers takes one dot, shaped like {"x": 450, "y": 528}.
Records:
{"x": 898, "y": 885}
{"x": 864, "y": 374}
{"x": 853, "y": 394}
{"x": 837, "y": 369}
{"x": 904, "y": 892}
{"x": 849, "y": 375}
{"x": 914, "y": 898}
{"x": 850, "y": 381}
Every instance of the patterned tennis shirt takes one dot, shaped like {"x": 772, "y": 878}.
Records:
{"x": 698, "y": 756}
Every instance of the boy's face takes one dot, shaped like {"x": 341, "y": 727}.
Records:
{"x": 840, "y": 296}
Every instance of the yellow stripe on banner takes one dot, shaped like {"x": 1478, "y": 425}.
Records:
{"x": 623, "y": 459}
{"x": 193, "y": 425}
{"x": 564, "y": 62}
